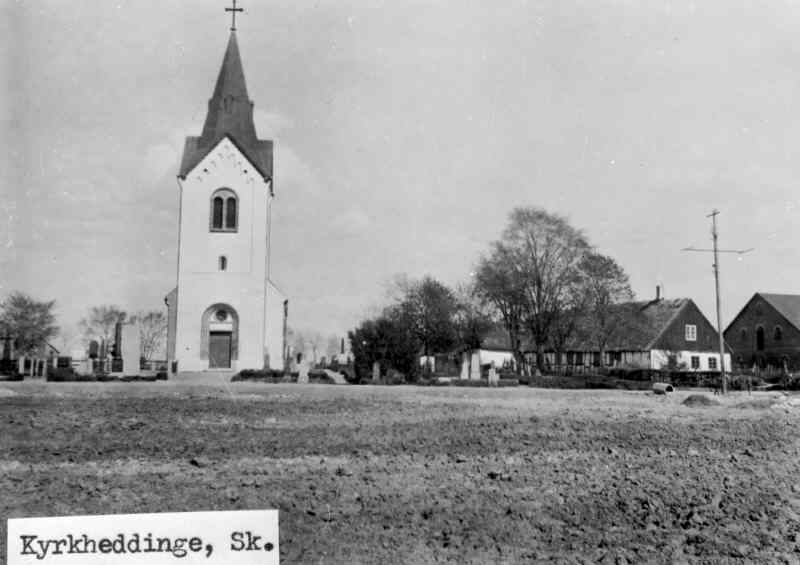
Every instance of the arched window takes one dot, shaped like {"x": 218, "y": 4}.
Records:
{"x": 224, "y": 210}
{"x": 216, "y": 220}
{"x": 760, "y": 338}
{"x": 744, "y": 334}
{"x": 778, "y": 334}
{"x": 223, "y": 263}
{"x": 230, "y": 213}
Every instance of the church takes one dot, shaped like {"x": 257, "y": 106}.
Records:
{"x": 225, "y": 313}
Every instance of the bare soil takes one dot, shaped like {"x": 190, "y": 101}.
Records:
{"x": 421, "y": 475}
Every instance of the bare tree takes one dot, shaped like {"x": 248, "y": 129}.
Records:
{"x": 102, "y": 321}
{"x": 500, "y": 286}
{"x": 605, "y": 286}
{"x": 473, "y": 316}
{"x": 152, "y": 332}
{"x": 29, "y": 322}
{"x": 539, "y": 256}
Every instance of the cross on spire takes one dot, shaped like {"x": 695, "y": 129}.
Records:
{"x": 233, "y": 11}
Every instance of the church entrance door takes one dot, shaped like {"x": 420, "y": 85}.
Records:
{"x": 219, "y": 350}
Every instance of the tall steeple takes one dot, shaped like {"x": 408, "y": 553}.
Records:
{"x": 230, "y": 113}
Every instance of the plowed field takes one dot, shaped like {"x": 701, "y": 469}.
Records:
{"x": 421, "y": 475}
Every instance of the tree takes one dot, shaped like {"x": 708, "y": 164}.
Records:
{"x": 386, "y": 339}
{"x": 421, "y": 319}
{"x": 31, "y": 323}
{"x": 498, "y": 285}
{"x": 473, "y": 317}
{"x": 152, "y": 332}
{"x": 606, "y": 286}
{"x": 429, "y": 309}
{"x": 102, "y": 322}
{"x": 533, "y": 274}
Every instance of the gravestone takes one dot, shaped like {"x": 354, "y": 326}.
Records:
{"x": 127, "y": 349}
{"x": 94, "y": 349}
{"x": 302, "y": 372}
{"x": 464, "y": 367}
{"x": 86, "y": 367}
{"x": 475, "y": 367}
{"x": 494, "y": 378}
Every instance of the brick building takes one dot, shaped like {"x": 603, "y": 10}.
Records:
{"x": 766, "y": 332}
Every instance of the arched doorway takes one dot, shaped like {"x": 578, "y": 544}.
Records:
{"x": 219, "y": 338}
{"x": 759, "y": 338}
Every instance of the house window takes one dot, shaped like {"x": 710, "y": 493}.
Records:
{"x": 743, "y": 335}
{"x": 579, "y": 358}
{"x": 570, "y": 358}
{"x": 712, "y": 363}
{"x": 223, "y": 263}
{"x": 595, "y": 358}
{"x": 695, "y": 361}
{"x": 691, "y": 332}
{"x": 760, "y": 338}
{"x": 224, "y": 210}
{"x": 778, "y": 334}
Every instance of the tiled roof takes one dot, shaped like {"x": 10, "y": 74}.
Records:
{"x": 230, "y": 114}
{"x": 787, "y": 304}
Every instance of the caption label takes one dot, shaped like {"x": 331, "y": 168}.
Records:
{"x": 242, "y": 537}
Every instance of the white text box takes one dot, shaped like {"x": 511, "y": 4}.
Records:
{"x": 241, "y": 537}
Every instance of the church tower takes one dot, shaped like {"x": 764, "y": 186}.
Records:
{"x": 225, "y": 314}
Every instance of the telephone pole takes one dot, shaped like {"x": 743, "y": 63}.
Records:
{"x": 716, "y": 251}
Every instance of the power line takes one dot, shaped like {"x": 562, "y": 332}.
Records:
{"x": 716, "y": 251}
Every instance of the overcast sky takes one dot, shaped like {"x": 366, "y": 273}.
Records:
{"x": 405, "y": 132}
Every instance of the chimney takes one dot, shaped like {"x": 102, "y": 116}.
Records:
{"x": 658, "y": 292}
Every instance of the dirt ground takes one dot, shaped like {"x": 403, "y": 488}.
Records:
{"x": 366, "y": 474}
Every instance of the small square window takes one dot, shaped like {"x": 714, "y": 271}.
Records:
{"x": 691, "y": 332}
{"x": 695, "y": 362}
{"x": 712, "y": 362}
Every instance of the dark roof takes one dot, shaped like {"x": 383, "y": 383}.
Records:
{"x": 638, "y": 325}
{"x": 230, "y": 114}
{"x": 788, "y": 305}
{"x": 497, "y": 339}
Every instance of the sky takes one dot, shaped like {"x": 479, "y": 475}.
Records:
{"x": 405, "y": 133}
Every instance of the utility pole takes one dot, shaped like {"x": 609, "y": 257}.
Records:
{"x": 716, "y": 251}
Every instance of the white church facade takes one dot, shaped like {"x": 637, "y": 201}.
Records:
{"x": 225, "y": 313}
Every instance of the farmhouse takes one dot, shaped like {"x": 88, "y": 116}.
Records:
{"x": 225, "y": 313}
{"x": 655, "y": 334}
{"x": 766, "y": 332}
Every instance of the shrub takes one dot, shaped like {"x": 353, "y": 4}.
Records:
{"x": 67, "y": 374}
{"x": 11, "y": 377}
{"x": 264, "y": 376}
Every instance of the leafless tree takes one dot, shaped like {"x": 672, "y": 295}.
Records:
{"x": 29, "y": 322}
{"x": 152, "y": 332}
{"x": 606, "y": 287}
{"x": 102, "y": 321}
{"x": 536, "y": 265}
{"x": 500, "y": 286}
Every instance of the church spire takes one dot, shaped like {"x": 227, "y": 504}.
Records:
{"x": 230, "y": 114}
{"x": 230, "y": 111}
